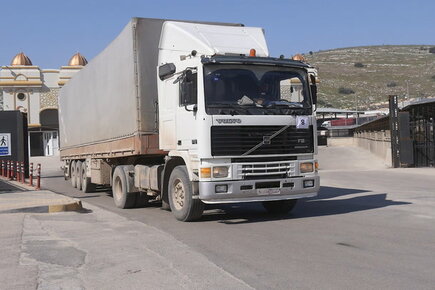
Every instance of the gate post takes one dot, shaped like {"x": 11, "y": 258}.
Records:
{"x": 394, "y": 127}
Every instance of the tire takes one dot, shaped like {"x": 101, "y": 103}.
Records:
{"x": 121, "y": 198}
{"x": 65, "y": 171}
{"x": 279, "y": 206}
{"x": 180, "y": 193}
{"x": 73, "y": 174}
{"x": 87, "y": 186}
{"x": 78, "y": 170}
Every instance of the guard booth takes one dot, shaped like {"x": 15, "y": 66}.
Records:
{"x": 14, "y": 138}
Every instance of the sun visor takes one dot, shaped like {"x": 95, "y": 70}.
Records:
{"x": 212, "y": 39}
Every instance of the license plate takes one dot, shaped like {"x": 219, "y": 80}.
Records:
{"x": 268, "y": 191}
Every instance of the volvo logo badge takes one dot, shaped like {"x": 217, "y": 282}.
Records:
{"x": 266, "y": 140}
{"x": 229, "y": 121}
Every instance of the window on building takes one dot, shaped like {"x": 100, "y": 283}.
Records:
{"x": 21, "y": 96}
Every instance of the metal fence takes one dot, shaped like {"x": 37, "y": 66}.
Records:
{"x": 422, "y": 123}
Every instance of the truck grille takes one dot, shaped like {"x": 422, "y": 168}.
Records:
{"x": 266, "y": 170}
{"x": 236, "y": 140}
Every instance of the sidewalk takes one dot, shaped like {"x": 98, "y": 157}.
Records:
{"x": 17, "y": 197}
{"x": 94, "y": 249}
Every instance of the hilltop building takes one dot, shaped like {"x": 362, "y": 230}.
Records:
{"x": 32, "y": 90}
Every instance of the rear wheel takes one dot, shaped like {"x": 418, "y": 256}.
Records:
{"x": 73, "y": 174}
{"x": 87, "y": 186}
{"x": 121, "y": 197}
{"x": 279, "y": 206}
{"x": 78, "y": 170}
{"x": 184, "y": 207}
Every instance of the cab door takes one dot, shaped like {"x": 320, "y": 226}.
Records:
{"x": 187, "y": 110}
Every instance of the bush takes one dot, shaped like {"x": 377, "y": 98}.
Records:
{"x": 359, "y": 64}
{"x": 432, "y": 49}
{"x": 433, "y": 77}
{"x": 311, "y": 53}
{"x": 345, "y": 91}
{"x": 392, "y": 84}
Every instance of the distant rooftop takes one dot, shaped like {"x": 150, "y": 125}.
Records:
{"x": 337, "y": 111}
{"x": 408, "y": 104}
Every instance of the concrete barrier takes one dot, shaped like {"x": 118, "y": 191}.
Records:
{"x": 377, "y": 142}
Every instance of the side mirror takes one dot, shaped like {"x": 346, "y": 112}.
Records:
{"x": 166, "y": 70}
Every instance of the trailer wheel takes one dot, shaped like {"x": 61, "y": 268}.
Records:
{"x": 184, "y": 207}
{"x": 65, "y": 171}
{"x": 73, "y": 174}
{"x": 78, "y": 170}
{"x": 119, "y": 189}
{"x": 87, "y": 186}
{"x": 279, "y": 206}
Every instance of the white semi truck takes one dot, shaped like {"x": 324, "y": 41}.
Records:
{"x": 191, "y": 113}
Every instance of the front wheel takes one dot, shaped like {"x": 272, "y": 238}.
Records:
{"x": 279, "y": 206}
{"x": 181, "y": 200}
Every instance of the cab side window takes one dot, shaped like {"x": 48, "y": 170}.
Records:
{"x": 189, "y": 89}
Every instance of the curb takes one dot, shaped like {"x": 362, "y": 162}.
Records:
{"x": 22, "y": 186}
{"x": 73, "y": 206}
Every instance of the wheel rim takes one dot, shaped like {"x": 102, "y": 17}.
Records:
{"x": 117, "y": 188}
{"x": 178, "y": 194}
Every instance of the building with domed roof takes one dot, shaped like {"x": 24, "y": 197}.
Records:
{"x": 34, "y": 91}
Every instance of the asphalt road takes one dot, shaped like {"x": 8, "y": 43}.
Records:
{"x": 369, "y": 228}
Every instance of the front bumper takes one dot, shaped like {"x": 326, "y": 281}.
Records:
{"x": 258, "y": 190}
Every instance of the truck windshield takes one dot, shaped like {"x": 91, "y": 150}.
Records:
{"x": 255, "y": 90}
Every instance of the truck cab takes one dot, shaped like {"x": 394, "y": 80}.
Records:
{"x": 242, "y": 122}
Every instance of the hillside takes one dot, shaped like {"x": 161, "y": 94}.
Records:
{"x": 381, "y": 71}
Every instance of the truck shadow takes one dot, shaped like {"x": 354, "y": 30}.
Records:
{"x": 323, "y": 205}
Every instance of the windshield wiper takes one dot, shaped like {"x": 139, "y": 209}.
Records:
{"x": 217, "y": 105}
{"x": 285, "y": 104}
{"x": 232, "y": 107}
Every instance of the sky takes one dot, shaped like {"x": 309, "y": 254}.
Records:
{"x": 49, "y": 32}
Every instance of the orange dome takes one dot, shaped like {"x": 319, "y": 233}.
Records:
{"x": 77, "y": 59}
{"x": 21, "y": 59}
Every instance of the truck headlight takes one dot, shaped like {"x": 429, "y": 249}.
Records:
{"x": 220, "y": 171}
{"x": 306, "y": 167}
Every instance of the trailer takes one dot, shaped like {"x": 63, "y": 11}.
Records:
{"x": 188, "y": 113}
